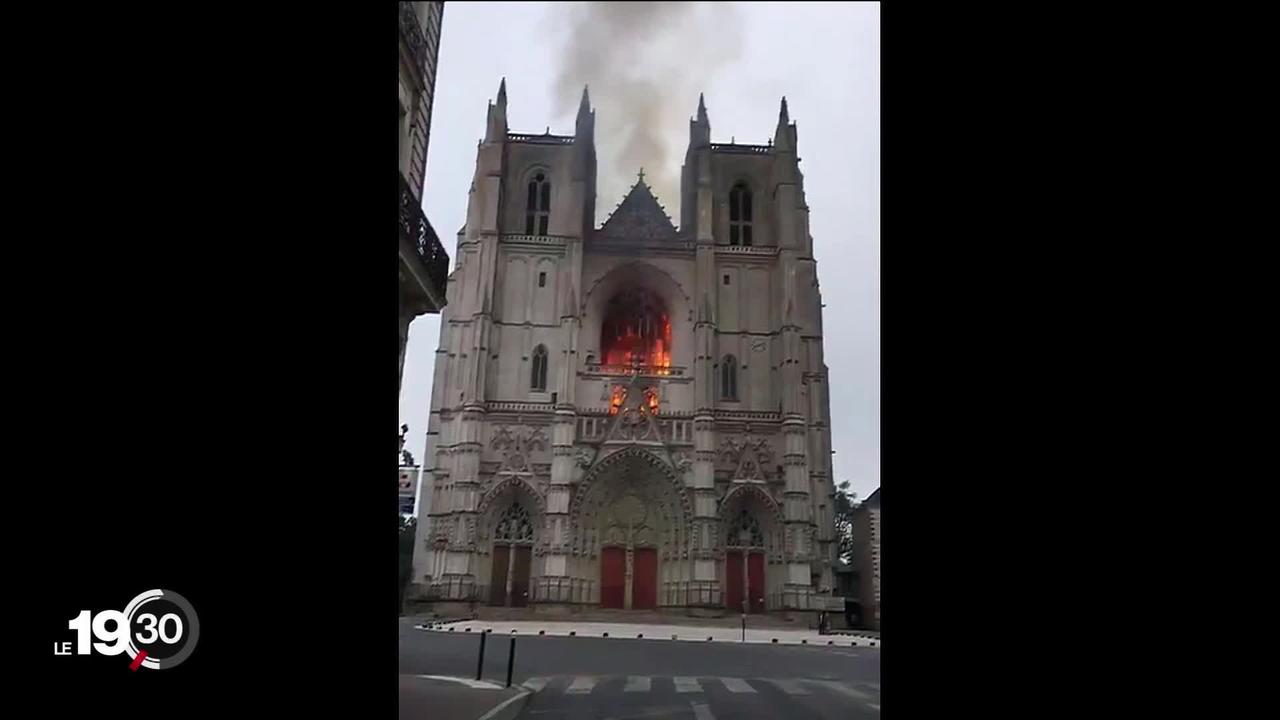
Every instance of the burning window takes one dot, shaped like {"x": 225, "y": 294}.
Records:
{"x": 651, "y": 400}
{"x": 636, "y": 330}
{"x": 618, "y": 397}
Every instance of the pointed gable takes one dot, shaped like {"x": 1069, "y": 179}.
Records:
{"x": 639, "y": 217}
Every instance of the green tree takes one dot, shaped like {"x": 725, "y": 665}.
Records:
{"x": 844, "y": 504}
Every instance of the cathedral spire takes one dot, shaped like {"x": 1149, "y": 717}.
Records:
{"x": 700, "y": 127}
{"x": 585, "y": 122}
{"x": 784, "y": 138}
{"x": 496, "y": 125}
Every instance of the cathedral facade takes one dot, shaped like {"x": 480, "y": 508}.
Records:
{"x": 633, "y": 415}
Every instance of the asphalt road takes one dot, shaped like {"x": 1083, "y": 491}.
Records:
{"x": 628, "y": 679}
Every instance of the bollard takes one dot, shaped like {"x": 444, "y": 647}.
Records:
{"x": 511, "y": 660}
{"x": 542, "y": 632}
{"x": 572, "y": 633}
{"x": 775, "y": 640}
{"x": 606, "y": 634}
{"x": 480, "y": 662}
{"x": 640, "y": 635}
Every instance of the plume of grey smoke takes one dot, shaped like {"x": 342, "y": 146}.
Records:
{"x": 645, "y": 63}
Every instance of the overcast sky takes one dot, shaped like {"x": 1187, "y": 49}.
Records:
{"x": 645, "y": 64}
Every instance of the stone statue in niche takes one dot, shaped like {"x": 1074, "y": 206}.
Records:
{"x": 681, "y": 462}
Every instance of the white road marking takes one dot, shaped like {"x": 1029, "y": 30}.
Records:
{"x": 478, "y": 684}
{"x": 536, "y": 683}
{"x": 874, "y": 706}
{"x": 790, "y": 687}
{"x": 581, "y": 685}
{"x": 637, "y": 683}
{"x": 502, "y": 706}
{"x": 687, "y": 684}
{"x": 702, "y": 712}
{"x": 842, "y": 689}
{"x": 737, "y": 685}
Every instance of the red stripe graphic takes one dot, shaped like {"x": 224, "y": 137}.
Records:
{"x": 137, "y": 661}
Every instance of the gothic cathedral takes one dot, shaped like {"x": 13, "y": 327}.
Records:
{"x": 634, "y": 415}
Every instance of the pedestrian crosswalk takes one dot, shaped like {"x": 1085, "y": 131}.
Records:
{"x": 582, "y": 684}
{"x": 687, "y": 685}
{"x": 606, "y": 684}
{"x": 638, "y": 683}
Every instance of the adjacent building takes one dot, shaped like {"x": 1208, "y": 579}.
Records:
{"x": 634, "y": 415}
{"x": 866, "y": 542}
{"x": 424, "y": 264}
{"x": 409, "y": 489}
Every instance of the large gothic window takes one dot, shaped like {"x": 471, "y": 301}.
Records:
{"x": 729, "y": 378}
{"x": 636, "y": 330}
{"x": 740, "y": 215}
{"x": 514, "y": 525}
{"x": 538, "y": 206}
{"x": 538, "y": 375}
{"x": 745, "y": 531}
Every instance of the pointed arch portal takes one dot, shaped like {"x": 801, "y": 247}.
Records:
{"x": 630, "y": 527}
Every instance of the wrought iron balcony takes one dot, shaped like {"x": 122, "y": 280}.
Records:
{"x": 415, "y": 229}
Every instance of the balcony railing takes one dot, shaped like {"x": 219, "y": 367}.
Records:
{"x": 747, "y": 149}
{"x": 415, "y": 228}
{"x": 655, "y": 370}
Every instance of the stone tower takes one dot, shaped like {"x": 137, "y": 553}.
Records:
{"x": 634, "y": 415}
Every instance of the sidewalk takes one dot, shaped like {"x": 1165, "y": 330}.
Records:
{"x": 431, "y": 696}
{"x": 651, "y": 632}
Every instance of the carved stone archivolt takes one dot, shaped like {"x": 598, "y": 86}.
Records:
{"x": 750, "y": 517}
{"x": 498, "y": 520}
{"x": 634, "y": 499}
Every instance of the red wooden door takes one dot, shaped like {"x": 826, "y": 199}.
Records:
{"x": 520, "y": 577}
{"x": 498, "y": 575}
{"x": 644, "y": 579}
{"x": 755, "y": 581}
{"x": 733, "y": 580}
{"x": 613, "y": 576}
